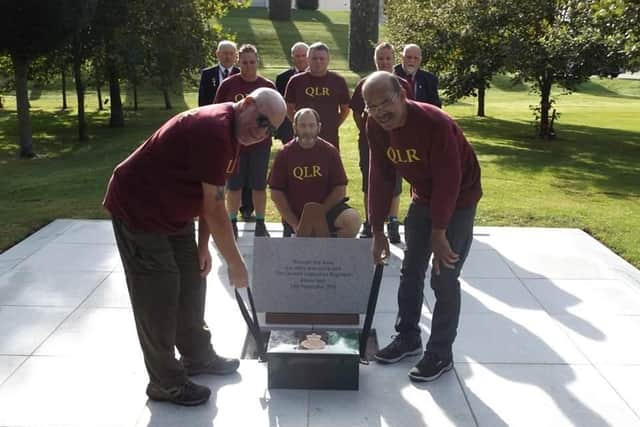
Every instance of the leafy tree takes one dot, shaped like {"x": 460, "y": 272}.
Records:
{"x": 6, "y": 77}
{"x": 619, "y": 23}
{"x": 30, "y": 29}
{"x": 554, "y": 42}
{"x": 463, "y": 42}
{"x": 177, "y": 39}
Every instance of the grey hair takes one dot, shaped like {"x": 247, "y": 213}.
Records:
{"x": 226, "y": 43}
{"x": 409, "y": 46}
{"x": 299, "y": 44}
{"x": 318, "y": 46}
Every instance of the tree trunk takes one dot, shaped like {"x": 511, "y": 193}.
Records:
{"x": 64, "y": 87}
{"x": 481, "y": 95}
{"x": 135, "y": 97}
{"x": 545, "y": 106}
{"x": 99, "y": 93}
{"x": 117, "y": 116}
{"x": 21, "y": 69}
{"x": 167, "y": 100}
{"x": 1, "y": 104}
{"x": 280, "y": 10}
{"x": 77, "y": 76}
{"x": 363, "y": 34}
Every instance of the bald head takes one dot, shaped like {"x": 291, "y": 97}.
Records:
{"x": 381, "y": 82}
{"x": 306, "y": 124}
{"x": 385, "y": 100}
{"x": 258, "y": 115}
{"x": 271, "y": 104}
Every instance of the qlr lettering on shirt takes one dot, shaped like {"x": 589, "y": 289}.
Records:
{"x": 408, "y": 155}
{"x": 304, "y": 172}
{"x": 314, "y": 91}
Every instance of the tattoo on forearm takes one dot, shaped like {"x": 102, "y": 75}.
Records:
{"x": 219, "y": 194}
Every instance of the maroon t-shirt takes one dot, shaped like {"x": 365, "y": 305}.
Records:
{"x": 432, "y": 154}
{"x": 307, "y": 174}
{"x": 235, "y": 89}
{"x": 158, "y": 188}
{"x": 323, "y": 94}
{"x": 357, "y": 104}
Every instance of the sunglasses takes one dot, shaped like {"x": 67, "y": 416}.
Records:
{"x": 263, "y": 122}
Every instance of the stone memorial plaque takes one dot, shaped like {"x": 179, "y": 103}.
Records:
{"x": 312, "y": 275}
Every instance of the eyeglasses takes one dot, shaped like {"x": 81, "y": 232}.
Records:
{"x": 263, "y": 122}
{"x": 382, "y": 107}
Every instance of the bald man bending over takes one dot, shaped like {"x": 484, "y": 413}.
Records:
{"x": 153, "y": 196}
{"x": 429, "y": 150}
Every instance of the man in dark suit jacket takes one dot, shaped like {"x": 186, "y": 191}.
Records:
{"x": 300, "y": 63}
{"x": 424, "y": 83}
{"x": 210, "y": 78}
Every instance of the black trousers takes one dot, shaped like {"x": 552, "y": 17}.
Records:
{"x": 168, "y": 297}
{"x": 446, "y": 286}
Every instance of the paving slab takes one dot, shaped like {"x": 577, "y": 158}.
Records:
{"x": 547, "y": 336}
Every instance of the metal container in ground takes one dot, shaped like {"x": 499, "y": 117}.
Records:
{"x": 316, "y": 360}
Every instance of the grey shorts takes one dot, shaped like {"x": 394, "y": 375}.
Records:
{"x": 252, "y": 170}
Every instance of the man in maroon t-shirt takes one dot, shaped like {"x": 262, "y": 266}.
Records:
{"x": 384, "y": 59}
{"x": 320, "y": 89}
{"x": 430, "y": 151}
{"x": 254, "y": 160}
{"x": 308, "y": 183}
{"x": 153, "y": 196}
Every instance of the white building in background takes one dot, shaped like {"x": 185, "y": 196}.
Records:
{"x": 323, "y": 4}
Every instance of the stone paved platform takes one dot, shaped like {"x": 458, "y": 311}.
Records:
{"x": 548, "y": 337}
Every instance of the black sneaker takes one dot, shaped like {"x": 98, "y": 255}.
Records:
{"x": 217, "y": 365}
{"x": 247, "y": 216}
{"x": 261, "y": 229}
{"x": 234, "y": 225}
{"x": 430, "y": 368}
{"x": 399, "y": 349}
{"x": 366, "y": 233}
{"x": 188, "y": 394}
{"x": 287, "y": 231}
{"x": 393, "y": 231}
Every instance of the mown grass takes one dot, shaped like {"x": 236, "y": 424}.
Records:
{"x": 586, "y": 178}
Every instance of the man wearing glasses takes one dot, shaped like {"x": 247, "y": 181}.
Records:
{"x": 179, "y": 173}
{"x": 254, "y": 160}
{"x": 429, "y": 150}
{"x": 384, "y": 60}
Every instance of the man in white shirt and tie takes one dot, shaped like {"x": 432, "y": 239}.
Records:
{"x": 211, "y": 77}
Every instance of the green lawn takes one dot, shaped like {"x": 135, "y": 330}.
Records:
{"x": 587, "y": 178}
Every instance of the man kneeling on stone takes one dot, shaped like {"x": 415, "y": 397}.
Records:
{"x": 308, "y": 183}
